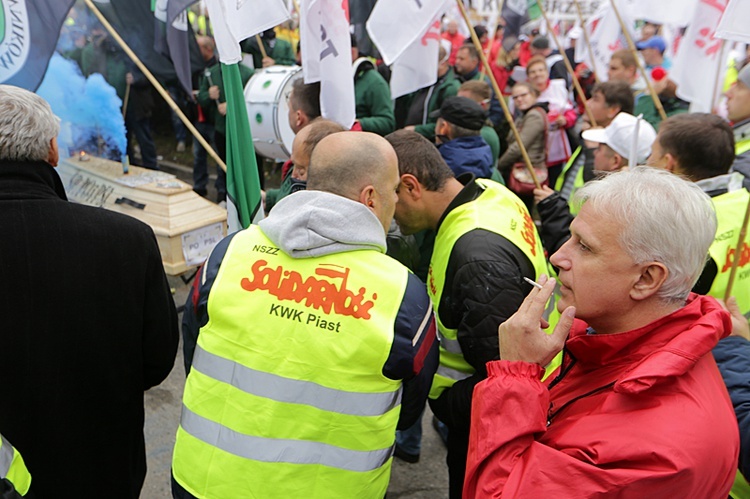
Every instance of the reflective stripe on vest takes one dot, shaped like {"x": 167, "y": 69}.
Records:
{"x": 13, "y": 468}
{"x": 287, "y": 395}
{"x": 730, "y": 210}
{"x": 496, "y": 210}
{"x": 742, "y": 147}
{"x": 293, "y": 391}
{"x": 272, "y": 450}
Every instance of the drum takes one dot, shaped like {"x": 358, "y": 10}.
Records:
{"x": 266, "y": 97}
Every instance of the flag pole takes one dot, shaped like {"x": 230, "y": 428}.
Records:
{"x": 155, "y": 83}
{"x": 631, "y": 45}
{"x": 737, "y": 254}
{"x": 568, "y": 66}
{"x": 499, "y": 95}
{"x": 586, "y": 39}
{"x": 260, "y": 44}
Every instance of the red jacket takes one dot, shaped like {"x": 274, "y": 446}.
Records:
{"x": 642, "y": 413}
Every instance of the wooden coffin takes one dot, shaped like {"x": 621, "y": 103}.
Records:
{"x": 186, "y": 225}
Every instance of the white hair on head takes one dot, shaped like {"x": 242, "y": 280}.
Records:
{"x": 27, "y": 124}
{"x": 664, "y": 217}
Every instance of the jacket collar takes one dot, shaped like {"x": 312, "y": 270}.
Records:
{"x": 470, "y": 192}
{"x": 665, "y": 348}
{"x": 30, "y": 180}
{"x": 741, "y": 130}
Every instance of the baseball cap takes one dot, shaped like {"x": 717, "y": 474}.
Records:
{"x": 655, "y": 42}
{"x": 461, "y": 111}
{"x": 540, "y": 43}
{"x": 744, "y": 75}
{"x": 619, "y": 136}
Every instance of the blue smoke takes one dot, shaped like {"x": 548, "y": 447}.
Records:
{"x": 88, "y": 107}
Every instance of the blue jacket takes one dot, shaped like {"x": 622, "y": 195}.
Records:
{"x": 732, "y": 355}
{"x": 468, "y": 154}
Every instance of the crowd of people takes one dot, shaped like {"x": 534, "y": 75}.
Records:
{"x": 585, "y": 336}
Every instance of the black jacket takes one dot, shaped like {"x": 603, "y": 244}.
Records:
{"x": 88, "y": 325}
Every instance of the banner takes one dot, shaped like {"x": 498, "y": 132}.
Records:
{"x": 326, "y": 57}
{"x": 395, "y": 24}
{"x": 417, "y": 67}
{"x": 172, "y": 38}
{"x": 28, "y": 35}
{"x": 700, "y": 48}
{"x": 605, "y": 37}
{"x": 675, "y": 12}
{"x": 734, "y": 23}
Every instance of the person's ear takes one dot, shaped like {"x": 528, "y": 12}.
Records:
{"x": 650, "y": 281}
{"x": 670, "y": 163}
{"x": 53, "y": 156}
{"x": 367, "y": 197}
{"x": 410, "y": 187}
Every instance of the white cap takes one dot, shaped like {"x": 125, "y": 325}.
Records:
{"x": 575, "y": 33}
{"x": 619, "y": 136}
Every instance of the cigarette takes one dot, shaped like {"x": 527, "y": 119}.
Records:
{"x": 533, "y": 283}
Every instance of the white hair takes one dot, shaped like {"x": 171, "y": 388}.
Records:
{"x": 664, "y": 217}
{"x": 27, "y": 124}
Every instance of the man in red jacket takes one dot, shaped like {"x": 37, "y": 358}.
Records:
{"x": 638, "y": 408}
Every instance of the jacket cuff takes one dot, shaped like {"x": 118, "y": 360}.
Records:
{"x": 517, "y": 369}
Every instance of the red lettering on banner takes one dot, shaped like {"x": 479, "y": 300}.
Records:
{"x": 320, "y": 294}
{"x": 744, "y": 257}
{"x": 433, "y": 33}
{"x": 707, "y": 40}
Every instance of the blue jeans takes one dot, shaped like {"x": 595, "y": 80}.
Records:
{"x": 410, "y": 439}
{"x": 178, "y": 96}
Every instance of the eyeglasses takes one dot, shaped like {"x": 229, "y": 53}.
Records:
{"x": 520, "y": 95}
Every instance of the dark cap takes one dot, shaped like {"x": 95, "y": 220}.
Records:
{"x": 461, "y": 111}
{"x": 540, "y": 43}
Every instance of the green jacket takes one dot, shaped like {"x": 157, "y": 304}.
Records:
{"x": 644, "y": 104}
{"x": 273, "y": 196}
{"x": 96, "y": 59}
{"x": 446, "y": 86}
{"x": 209, "y": 106}
{"x": 281, "y": 52}
{"x": 490, "y": 136}
{"x": 373, "y": 98}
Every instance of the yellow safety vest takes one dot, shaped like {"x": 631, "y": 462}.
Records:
{"x": 742, "y": 146}
{"x": 730, "y": 211}
{"x": 496, "y": 210}
{"x": 286, "y": 396}
{"x": 568, "y": 186}
{"x": 13, "y": 468}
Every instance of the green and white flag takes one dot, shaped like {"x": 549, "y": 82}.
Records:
{"x": 29, "y": 30}
{"x": 243, "y": 184}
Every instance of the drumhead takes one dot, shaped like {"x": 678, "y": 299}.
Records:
{"x": 266, "y": 98}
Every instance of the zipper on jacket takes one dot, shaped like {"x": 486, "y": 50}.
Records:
{"x": 551, "y": 414}
{"x": 564, "y": 370}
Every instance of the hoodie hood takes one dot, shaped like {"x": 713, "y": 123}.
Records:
{"x": 314, "y": 223}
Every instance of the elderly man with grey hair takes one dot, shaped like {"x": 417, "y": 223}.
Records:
{"x": 88, "y": 319}
{"x": 637, "y": 408}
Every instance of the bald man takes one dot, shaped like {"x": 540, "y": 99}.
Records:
{"x": 314, "y": 346}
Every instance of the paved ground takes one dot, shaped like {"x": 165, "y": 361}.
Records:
{"x": 427, "y": 479}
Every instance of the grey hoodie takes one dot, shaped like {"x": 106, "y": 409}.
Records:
{"x": 316, "y": 223}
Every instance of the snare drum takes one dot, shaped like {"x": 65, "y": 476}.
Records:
{"x": 266, "y": 95}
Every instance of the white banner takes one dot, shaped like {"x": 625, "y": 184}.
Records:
{"x": 735, "y": 23}
{"x": 234, "y": 20}
{"x": 605, "y": 36}
{"x": 395, "y": 24}
{"x": 417, "y": 67}
{"x": 700, "y": 48}
{"x": 327, "y": 57}
{"x": 676, "y": 12}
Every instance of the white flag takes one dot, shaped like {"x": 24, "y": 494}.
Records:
{"x": 605, "y": 37}
{"x": 395, "y": 24}
{"x": 327, "y": 57}
{"x": 699, "y": 48}
{"x": 417, "y": 67}
{"x": 735, "y": 23}
{"x": 676, "y": 12}
{"x": 236, "y": 20}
